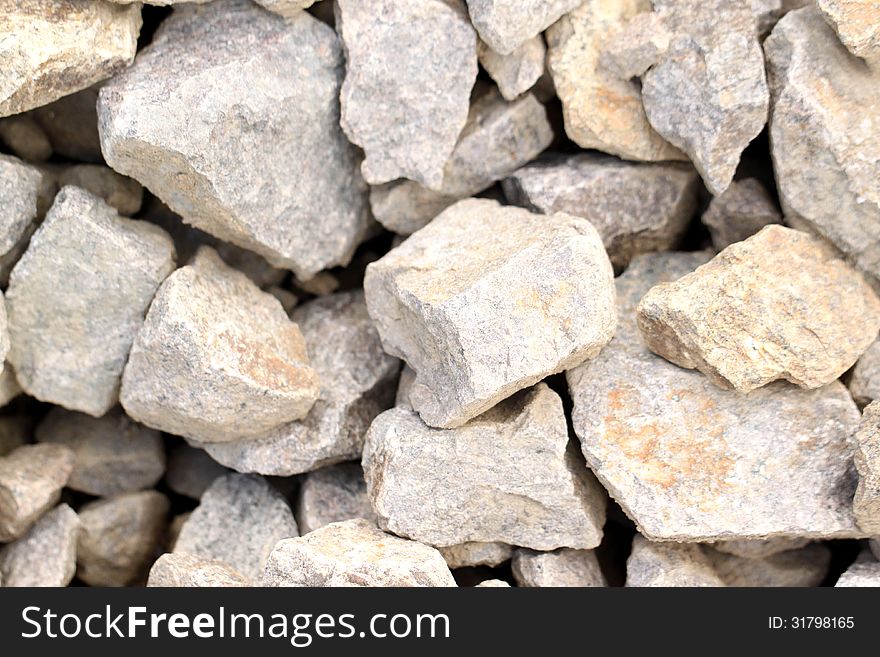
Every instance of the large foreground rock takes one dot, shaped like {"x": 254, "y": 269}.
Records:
{"x": 46, "y": 554}
{"x": 866, "y": 504}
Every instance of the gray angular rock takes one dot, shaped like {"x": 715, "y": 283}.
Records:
{"x": 864, "y": 384}
{"x": 122, "y": 193}
{"x": 217, "y": 359}
{"x": 778, "y": 305}
{"x": 759, "y": 549}
{"x": 637, "y": 208}
{"x": 826, "y": 151}
{"x": 113, "y": 454}
{"x": 743, "y": 209}
{"x": 24, "y": 137}
{"x": 518, "y": 71}
{"x": 857, "y": 23}
{"x": 20, "y": 186}
{"x": 175, "y": 122}
{"x": 390, "y": 104}
{"x": 332, "y": 494}
{"x": 354, "y": 553}
{"x": 176, "y": 569}
{"x": 866, "y": 504}
{"x": 71, "y": 123}
{"x": 861, "y": 574}
{"x": 476, "y": 554}
{"x": 191, "y": 471}
{"x": 462, "y": 300}
{"x": 669, "y": 564}
{"x": 286, "y": 8}
{"x": 77, "y": 297}
{"x": 564, "y": 567}
{"x": 239, "y": 521}
{"x": 804, "y": 567}
{"x": 15, "y": 431}
{"x": 357, "y": 383}
{"x": 46, "y": 554}
{"x": 689, "y": 461}
{"x": 447, "y": 487}
{"x": 498, "y": 138}
{"x": 636, "y": 47}
{"x": 708, "y": 93}
{"x": 506, "y": 24}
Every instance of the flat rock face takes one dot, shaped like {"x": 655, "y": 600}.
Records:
{"x": 357, "y": 383}
{"x": 866, "y": 504}
{"x": 689, "y": 461}
{"x": 805, "y": 567}
{"x": 177, "y": 569}
{"x": 120, "y": 192}
{"x": 601, "y": 109}
{"x": 52, "y": 48}
{"x": 332, "y": 494}
{"x": 446, "y": 487}
{"x": 497, "y": 139}
{"x": 239, "y": 521}
{"x": 175, "y": 122}
{"x": 743, "y": 209}
{"x": 860, "y": 574}
{"x": 518, "y": 71}
{"x": 506, "y": 24}
{"x": 487, "y": 300}
{"x": 669, "y": 564}
{"x": 191, "y": 471}
{"x": 113, "y": 454}
{"x": 71, "y": 123}
{"x": 563, "y": 567}
{"x": 77, "y": 297}
{"x": 779, "y": 305}
{"x": 857, "y": 23}
{"x": 354, "y": 553}
{"x": 825, "y": 147}
{"x": 19, "y": 191}
{"x": 394, "y": 67}
{"x": 46, "y": 554}
{"x": 476, "y": 554}
{"x": 31, "y": 479}
{"x": 636, "y": 208}
{"x": 708, "y": 93}
{"x": 864, "y": 384}
{"x": 217, "y": 359}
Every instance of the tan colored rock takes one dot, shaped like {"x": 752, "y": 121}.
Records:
{"x": 177, "y": 569}
{"x": 9, "y": 387}
{"x": 46, "y": 554}
{"x": 286, "y": 8}
{"x": 866, "y": 504}
{"x": 517, "y": 72}
{"x": 564, "y": 567}
{"x": 759, "y": 549}
{"x": 857, "y": 23}
{"x": 669, "y": 564}
{"x": 24, "y": 137}
{"x": 476, "y": 554}
{"x": 804, "y": 567}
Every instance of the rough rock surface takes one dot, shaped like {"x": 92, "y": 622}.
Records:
{"x": 805, "y": 567}
{"x": 446, "y": 487}
{"x": 390, "y": 102}
{"x": 476, "y": 554}
{"x": 191, "y": 471}
{"x": 463, "y": 300}
{"x": 866, "y": 504}
{"x": 20, "y": 186}
{"x": 217, "y": 359}
{"x": 357, "y": 383}
{"x": 497, "y": 139}
{"x": 332, "y": 494}
{"x": 239, "y": 521}
{"x": 175, "y": 122}
{"x": 743, "y": 209}
{"x": 71, "y": 123}
{"x": 669, "y": 564}
{"x": 46, "y": 554}
{"x": 120, "y": 192}
{"x": 779, "y": 305}
{"x": 176, "y": 569}
{"x": 689, "y": 461}
{"x": 864, "y": 384}
{"x": 857, "y": 23}
{"x": 78, "y": 296}
{"x": 518, "y": 71}
{"x": 506, "y": 24}
{"x": 354, "y": 553}
{"x": 825, "y": 148}
{"x": 113, "y": 454}
{"x": 759, "y": 549}
{"x": 636, "y": 208}
{"x": 860, "y": 574}
{"x": 24, "y": 137}
{"x": 563, "y": 567}
{"x": 636, "y": 47}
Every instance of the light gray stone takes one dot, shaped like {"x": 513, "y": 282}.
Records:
{"x": 636, "y": 47}
{"x": 71, "y": 123}
{"x": 669, "y": 564}
{"x": 759, "y": 549}
{"x": 176, "y": 569}
{"x": 857, "y": 23}
{"x": 122, "y": 193}
{"x": 487, "y": 300}
{"x": 862, "y": 574}
{"x": 743, "y": 209}
{"x": 46, "y": 554}
{"x": 20, "y": 186}
{"x": 518, "y": 71}
{"x": 176, "y": 122}
{"x": 564, "y": 567}
{"x": 804, "y": 567}
{"x": 332, "y": 494}
{"x": 447, "y": 487}
{"x": 354, "y": 553}
{"x": 476, "y": 554}
{"x": 506, "y": 24}
{"x": 24, "y": 137}
{"x": 866, "y": 504}
{"x": 864, "y": 384}
{"x": 15, "y": 431}
{"x": 191, "y": 471}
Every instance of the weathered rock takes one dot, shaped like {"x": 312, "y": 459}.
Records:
{"x": 9, "y": 388}
{"x": 24, "y": 137}
{"x": 357, "y": 383}
{"x": 779, "y": 305}
{"x": 498, "y": 138}
{"x": 239, "y": 521}
{"x": 46, "y": 554}
{"x": 493, "y": 583}
{"x": 476, "y": 554}
{"x": 332, "y": 494}
{"x": 175, "y": 122}
{"x": 601, "y": 110}
{"x": 46, "y": 190}
{"x": 857, "y": 23}
{"x": 20, "y": 186}
{"x": 177, "y": 569}
{"x": 122, "y": 193}
{"x": 31, "y": 479}
{"x": 637, "y": 208}
{"x": 77, "y": 297}
{"x": 689, "y": 461}
{"x": 518, "y": 71}
{"x": 15, "y": 431}
{"x": 446, "y": 487}
{"x": 862, "y": 574}
{"x": 286, "y": 8}
{"x": 217, "y": 359}
{"x": 864, "y": 384}
{"x": 563, "y": 567}
{"x": 805, "y": 567}
{"x": 113, "y": 454}
{"x": 463, "y": 299}
{"x": 825, "y": 148}
{"x": 191, "y": 471}
{"x": 71, "y": 123}
{"x": 743, "y": 209}
{"x": 866, "y": 504}
{"x": 354, "y": 553}
{"x": 390, "y": 102}
{"x": 669, "y": 564}
{"x": 636, "y": 47}
{"x": 506, "y": 24}
{"x": 759, "y": 549}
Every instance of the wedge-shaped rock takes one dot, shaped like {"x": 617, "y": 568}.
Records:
{"x": 71, "y": 123}
{"x": 742, "y": 210}
{"x": 20, "y": 186}
{"x": 176, "y": 569}
{"x": 518, "y": 71}
{"x": 564, "y": 567}
{"x": 805, "y": 567}
{"x": 669, "y": 564}
{"x": 759, "y": 549}
{"x": 120, "y": 192}
{"x": 689, "y": 461}
{"x": 392, "y": 106}
{"x": 113, "y": 454}
{"x": 498, "y": 138}
{"x": 46, "y": 554}
{"x": 864, "y": 384}
{"x": 217, "y": 359}
{"x": 446, "y": 487}
{"x": 779, "y": 305}
{"x": 78, "y": 296}
{"x": 860, "y": 574}
{"x": 866, "y": 504}
{"x": 191, "y": 471}
{"x": 601, "y": 110}
{"x": 354, "y": 553}
{"x": 857, "y": 23}
{"x": 239, "y": 521}
{"x": 476, "y": 554}
{"x": 357, "y": 383}
{"x": 463, "y": 300}
{"x": 825, "y": 147}
{"x": 506, "y": 24}
{"x": 52, "y": 48}
{"x": 214, "y": 127}
{"x": 332, "y": 494}
{"x": 708, "y": 93}
{"x": 636, "y": 208}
